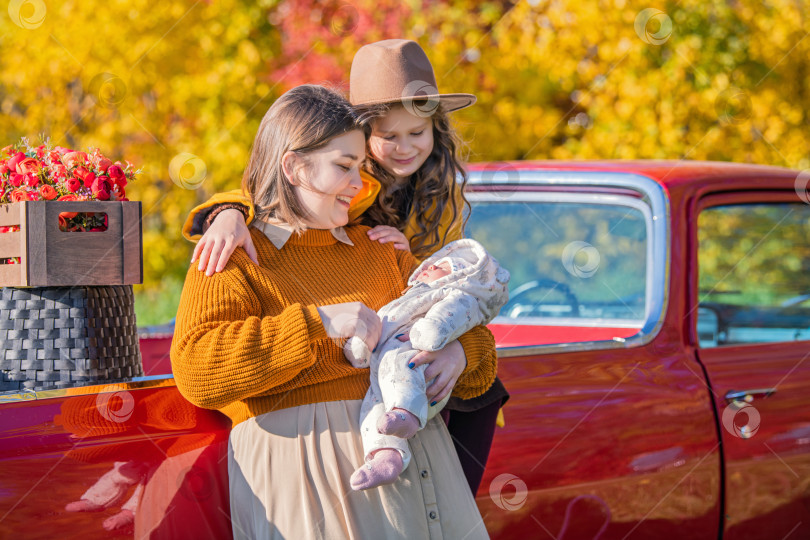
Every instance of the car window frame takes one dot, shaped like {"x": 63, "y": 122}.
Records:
{"x": 596, "y": 199}
{"x": 728, "y": 198}
{"x": 519, "y": 182}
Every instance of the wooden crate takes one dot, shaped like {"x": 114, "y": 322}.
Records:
{"x": 50, "y": 257}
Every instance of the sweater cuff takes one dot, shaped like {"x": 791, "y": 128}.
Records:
{"x": 315, "y": 327}
{"x": 482, "y": 363}
{"x": 215, "y": 210}
{"x": 474, "y": 349}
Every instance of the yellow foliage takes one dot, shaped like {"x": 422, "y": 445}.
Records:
{"x": 702, "y": 79}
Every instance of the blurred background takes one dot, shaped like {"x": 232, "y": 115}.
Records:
{"x": 179, "y": 87}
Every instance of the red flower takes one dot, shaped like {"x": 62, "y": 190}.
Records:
{"x": 101, "y": 163}
{"x": 72, "y": 159}
{"x": 8, "y": 149}
{"x": 62, "y": 150}
{"x": 48, "y": 192}
{"x": 116, "y": 173}
{"x": 18, "y": 195}
{"x": 3, "y": 168}
{"x": 101, "y": 189}
{"x": 59, "y": 171}
{"x": 16, "y": 158}
{"x": 32, "y": 180}
{"x": 74, "y": 184}
{"x": 29, "y": 165}
{"x": 85, "y": 176}
{"x": 101, "y": 182}
{"x": 16, "y": 179}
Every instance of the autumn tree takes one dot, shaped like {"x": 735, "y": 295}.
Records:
{"x": 179, "y": 87}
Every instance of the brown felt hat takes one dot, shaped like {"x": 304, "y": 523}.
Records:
{"x": 398, "y": 71}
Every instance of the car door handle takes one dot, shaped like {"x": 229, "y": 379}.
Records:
{"x": 748, "y": 395}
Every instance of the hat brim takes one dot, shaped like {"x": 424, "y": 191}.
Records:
{"x": 450, "y": 102}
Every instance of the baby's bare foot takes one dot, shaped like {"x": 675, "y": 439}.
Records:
{"x": 121, "y": 520}
{"x": 399, "y": 423}
{"x": 383, "y": 468}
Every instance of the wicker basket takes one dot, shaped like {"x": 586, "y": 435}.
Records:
{"x": 57, "y": 337}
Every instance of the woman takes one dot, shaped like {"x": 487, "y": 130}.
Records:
{"x": 410, "y": 197}
{"x": 258, "y": 342}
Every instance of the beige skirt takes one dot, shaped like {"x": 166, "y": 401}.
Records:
{"x": 289, "y": 478}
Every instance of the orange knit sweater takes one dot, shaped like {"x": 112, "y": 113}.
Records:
{"x": 249, "y": 340}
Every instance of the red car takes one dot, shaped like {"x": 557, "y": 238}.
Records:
{"x": 654, "y": 346}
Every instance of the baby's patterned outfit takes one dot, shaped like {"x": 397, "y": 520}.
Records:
{"x": 433, "y": 315}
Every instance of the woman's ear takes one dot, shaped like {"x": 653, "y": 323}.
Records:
{"x": 289, "y": 163}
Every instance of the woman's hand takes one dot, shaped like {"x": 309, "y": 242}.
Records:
{"x": 226, "y": 233}
{"x": 352, "y": 319}
{"x": 446, "y": 365}
{"x": 384, "y": 234}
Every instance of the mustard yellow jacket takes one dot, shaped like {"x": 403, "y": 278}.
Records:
{"x": 192, "y": 228}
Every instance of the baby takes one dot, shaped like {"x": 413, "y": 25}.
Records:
{"x": 459, "y": 287}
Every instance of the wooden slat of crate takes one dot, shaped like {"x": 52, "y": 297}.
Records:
{"x": 13, "y": 245}
{"x": 133, "y": 243}
{"x": 36, "y": 243}
{"x": 12, "y": 274}
{"x": 101, "y": 260}
{"x": 10, "y": 214}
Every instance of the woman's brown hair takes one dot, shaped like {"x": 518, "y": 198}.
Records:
{"x": 429, "y": 190}
{"x": 302, "y": 120}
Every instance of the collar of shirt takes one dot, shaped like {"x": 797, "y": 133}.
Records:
{"x": 279, "y": 233}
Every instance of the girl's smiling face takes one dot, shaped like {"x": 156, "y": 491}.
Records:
{"x": 326, "y": 180}
{"x": 401, "y": 142}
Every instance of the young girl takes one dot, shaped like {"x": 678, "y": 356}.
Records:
{"x": 410, "y": 196}
{"x": 260, "y": 343}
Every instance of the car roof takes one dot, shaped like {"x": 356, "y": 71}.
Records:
{"x": 670, "y": 173}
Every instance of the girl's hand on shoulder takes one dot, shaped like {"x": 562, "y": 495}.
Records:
{"x": 352, "y": 319}
{"x": 384, "y": 234}
{"x": 446, "y": 365}
{"x": 226, "y": 233}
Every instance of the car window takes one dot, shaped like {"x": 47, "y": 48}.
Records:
{"x": 754, "y": 274}
{"x": 574, "y": 259}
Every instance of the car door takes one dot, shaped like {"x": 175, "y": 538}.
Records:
{"x": 609, "y": 432}
{"x": 136, "y": 447}
{"x": 751, "y": 326}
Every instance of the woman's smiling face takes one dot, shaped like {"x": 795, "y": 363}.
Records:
{"x": 329, "y": 179}
{"x": 401, "y": 142}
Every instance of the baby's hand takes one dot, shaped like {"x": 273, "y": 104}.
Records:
{"x": 356, "y": 352}
{"x": 384, "y": 234}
